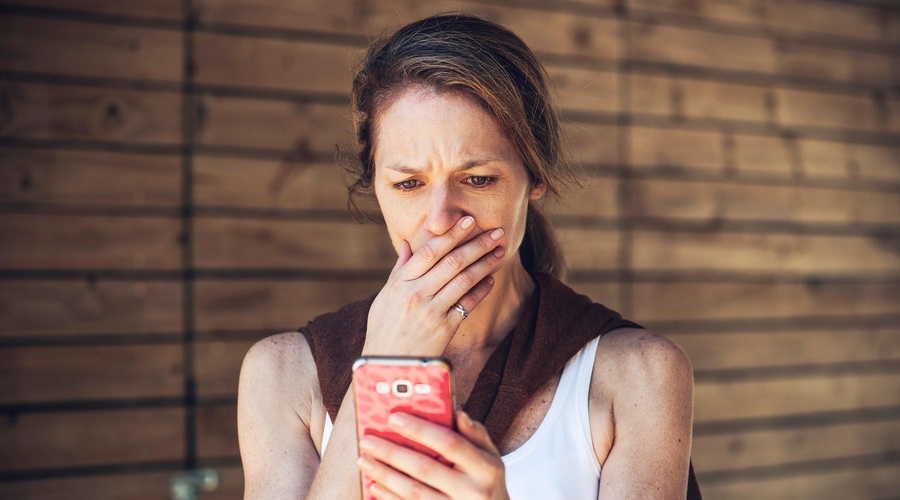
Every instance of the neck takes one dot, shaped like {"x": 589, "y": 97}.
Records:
{"x": 497, "y": 314}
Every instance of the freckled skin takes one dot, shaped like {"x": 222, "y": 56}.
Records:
{"x": 437, "y": 133}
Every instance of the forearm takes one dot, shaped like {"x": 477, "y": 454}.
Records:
{"x": 338, "y": 474}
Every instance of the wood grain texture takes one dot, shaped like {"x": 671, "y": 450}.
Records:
{"x": 72, "y": 308}
{"x": 260, "y": 244}
{"x": 72, "y": 241}
{"x": 90, "y": 373}
{"x": 738, "y": 52}
{"x": 773, "y": 448}
{"x": 263, "y": 63}
{"x": 268, "y": 184}
{"x": 217, "y": 431}
{"x": 91, "y": 438}
{"x": 150, "y": 9}
{"x": 80, "y": 178}
{"x": 68, "y": 112}
{"x": 31, "y": 44}
{"x": 589, "y": 249}
{"x": 724, "y": 400}
{"x": 697, "y": 301}
{"x": 860, "y": 481}
{"x": 800, "y": 16}
{"x": 267, "y": 305}
{"x": 130, "y": 486}
{"x": 785, "y": 348}
{"x": 711, "y": 202}
{"x": 785, "y": 254}
{"x": 217, "y": 367}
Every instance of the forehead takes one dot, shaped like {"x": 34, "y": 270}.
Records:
{"x": 423, "y": 126}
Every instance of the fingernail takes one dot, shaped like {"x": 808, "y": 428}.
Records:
{"x": 366, "y": 445}
{"x": 499, "y": 252}
{"x": 467, "y": 222}
{"x": 490, "y": 280}
{"x": 467, "y": 420}
{"x": 496, "y": 234}
{"x": 396, "y": 420}
{"x": 364, "y": 464}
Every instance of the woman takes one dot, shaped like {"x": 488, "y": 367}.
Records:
{"x": 457, "y": 142}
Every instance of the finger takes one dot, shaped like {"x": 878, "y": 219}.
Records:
{"x": 472, "y": 298}
{"x": 475, "y": 432}
{"x": 412, "y": 463}
{"x": 467, "y": 457}
{"x": 402, "y": 256}
{"x": 436, "y": 248}
{"x": 399, "y": 484}
{"x": 382, "y": 493}
{"x": 456, "y": 288}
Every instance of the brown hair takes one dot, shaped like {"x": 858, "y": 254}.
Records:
{"x": 485, "y": 61}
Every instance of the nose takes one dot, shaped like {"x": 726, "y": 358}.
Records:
{"x": 444, "y": 209}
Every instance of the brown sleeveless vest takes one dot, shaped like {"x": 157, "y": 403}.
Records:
{"x": 557, "y": 323}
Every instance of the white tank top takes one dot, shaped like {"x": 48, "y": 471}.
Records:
{"x": 558, "y": 460}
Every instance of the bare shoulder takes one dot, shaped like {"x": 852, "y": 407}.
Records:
{"x": 640, "y": 359}
{"x": 277, "y": 394}
{"x": 281, "y": 366}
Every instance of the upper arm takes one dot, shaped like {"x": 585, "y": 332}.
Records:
{"x": 277, "y": 381}
{"x": 651, "y": 386}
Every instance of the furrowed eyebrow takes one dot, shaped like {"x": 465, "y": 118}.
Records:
{"x": 465, "y": 166}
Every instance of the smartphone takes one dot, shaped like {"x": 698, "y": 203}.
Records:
{"x": 419, "y": 386}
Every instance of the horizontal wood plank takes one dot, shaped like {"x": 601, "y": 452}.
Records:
{"x": 81, "y": 178}
{"x": 268, "y": 184}
{"x": 585, "y": 90}
{"x": 603, "y": 293}
{"x": 657, "y": 302}
{"x": 549, "y": 32}
{"x": 673, "y": 148}
{"x": 67, "y": 112}
{"x": 799, "y": 16}
{"x": 737, "y": 52}
{"x": 64, "y": 308}
{"x": 132, "y": 486}
{"x": 818, "y": 109}
{"x": 730, "y": 400}
{"x": 719, "y": 201}
{"x": 266, "y": 63}
{"x": 267, "y": 305}
{"x": 765, "y": 253}
{"x": 759, "y": 349}
{"x": 251, "y": 243}
{"x": 298, "y": 129}
{"x": 217, "y": 366}
{"x": 91, "y": 438}
{"x": 74, "y": 241}
{"x": 699, "y": 99}
{"x": 152, "y": 9}
{"x": 772, "y": 448}
{"x": 217, "y": 431}
{"x": 33, "y": 45}
{"x": 589, "y": 249}
{"x": 82, "y": 373}
{"x": 597, "y": 198}
{"x": 879, "y": 481}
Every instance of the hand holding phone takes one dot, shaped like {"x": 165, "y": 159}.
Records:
{"x": 385, "y": 385}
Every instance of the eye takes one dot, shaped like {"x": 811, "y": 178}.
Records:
{"x": 407, "y": 185}
{"x": 480, "y": 181}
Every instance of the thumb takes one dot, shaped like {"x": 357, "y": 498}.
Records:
{"x": 475, "y": 432}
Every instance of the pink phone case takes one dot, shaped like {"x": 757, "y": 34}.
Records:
{"x": 384, "y": 385}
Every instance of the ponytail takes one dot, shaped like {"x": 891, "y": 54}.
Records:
{"x": 540, "y": 250}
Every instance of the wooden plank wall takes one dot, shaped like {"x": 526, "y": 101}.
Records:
{"x": 168, "y": 197}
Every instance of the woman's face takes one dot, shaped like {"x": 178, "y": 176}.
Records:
{"x": 439, "y": 157}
